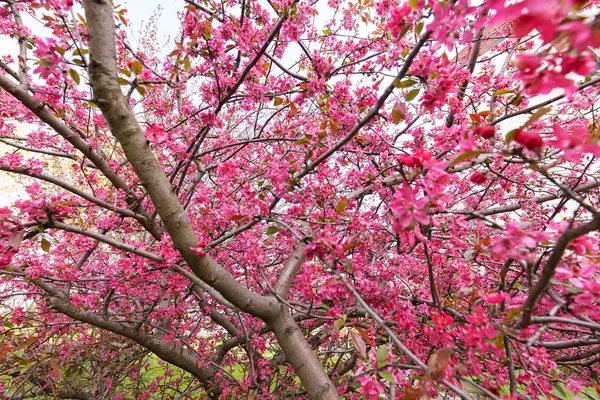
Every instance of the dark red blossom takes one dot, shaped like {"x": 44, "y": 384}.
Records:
{"x": 529, "y": 140}
{"x": 486, "y": 132}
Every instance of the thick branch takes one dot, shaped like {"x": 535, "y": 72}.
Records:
{"x": 107, "y": 91}
{"x": 103, "y": 76}
{"x": 580, "y": 356}
{"x": 542, "y": 284}
{"x": 290, "y": 270}
{"x": 170, "y": 352}
{"x": 296, "y": 348}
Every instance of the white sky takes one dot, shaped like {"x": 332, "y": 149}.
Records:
{"x": 140, "y": 12}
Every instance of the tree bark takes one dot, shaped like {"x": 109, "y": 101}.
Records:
{"x": 115, "y": 108}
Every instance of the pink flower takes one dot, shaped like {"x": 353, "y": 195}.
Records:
{"x": 581, "y": 35}
{"x": 408, "y": 209}
{"x": 530, "y": 15}
{"x": 438, "y": 93}
{"x": 527, "y": 63}
{"x": 573, "y": 143}
{"x": 156, "y": 133}
{"x": 59, "y": 4}
{"x": 199, "y": 250}
{"x": 494, "y": 298}
{"x": 399, "y": 19}
{"x": 410, "y": 161}
{"x": 524, "y": 377}
{"x": 515, "y": 242}
{"x": 582, "y": 65}
{"x": 370, "y": 386}
{"x": 49, "y": 58}
{"x": 147, "y": 74}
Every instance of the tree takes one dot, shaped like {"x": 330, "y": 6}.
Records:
{"x": 301, "y": 199}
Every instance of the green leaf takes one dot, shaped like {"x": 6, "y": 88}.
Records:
{"x": 387, "y": 376}
{"x": 558, "y": 389}
{"x": 302, "y": 141}
{"x": 464, "y": 156}
{"x": 515, "y": 101}
{"x": 271, "y": 230}
{"x": 381, "y": 356}
{"x": 340, "y": 206}
{"x": 403, "y": 84}
{"x": 187, "y": 65}
{"x": 339, "y": 323}
{"x": 123, "y": 81}
{"x": 419, "y": 27}
{"x": 499, "y": 341}
{"x": 413, "y": 4}
{"x": 510, "y": 136}
{"x": 136, "y": 67}
{"x": 513, "y": 313}
{"x": 410, "y": 96}
{"x": 277, "y": 101}
{"x": 74, "y": 75}
{"x": 540, "y": 112}
{"x": 502, "y": 91}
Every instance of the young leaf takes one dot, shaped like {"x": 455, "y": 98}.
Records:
{"x": 293, "y": 108}
{"x": 465, "y": 156}
{"x": 136, "y": 67}
{"x": 387, "y": 376}
{"x": 339, "y": 323}
{"x": 341, "y": 206}
{"x": 403, "y": 84}
{"x": 74, "y": 75}
{"x": 438, "y": 363}
{"x": 359, "y": 344}
{"x": 410, "y": 96}
{"x": 15, "y": 239}
{"x": 540, "y": 112}
{"x": 381, "y": 356}
{"x": 45, "y": 244}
